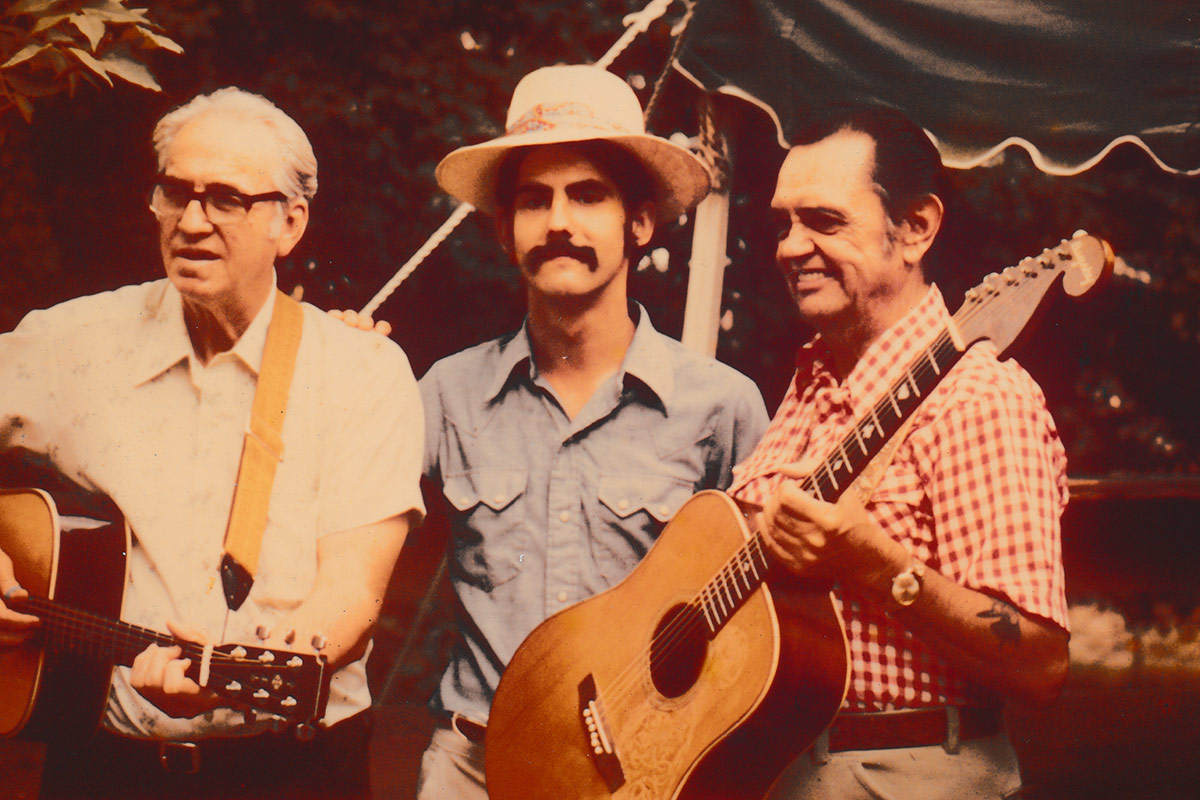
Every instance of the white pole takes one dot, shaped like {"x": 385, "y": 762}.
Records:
{"x": 702, "y": 314}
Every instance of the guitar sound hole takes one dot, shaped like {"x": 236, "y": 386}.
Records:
{"x": 678, "y": 650}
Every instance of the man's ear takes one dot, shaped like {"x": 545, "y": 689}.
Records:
{"x": 295, "y": 222}
{"x": 504, "y": 230}
{"x": 920, "y": 227}
{"x": 641, "y": 224}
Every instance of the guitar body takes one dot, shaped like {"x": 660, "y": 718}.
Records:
{"x": 695, "y": 677}
{"x": 44, "y": 692}
{"x": 691, "y": 725}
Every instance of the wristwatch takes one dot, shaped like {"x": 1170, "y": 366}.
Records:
{"x": 906, "y": 586}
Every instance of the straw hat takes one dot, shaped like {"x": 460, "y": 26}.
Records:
{"x": 575, "y": 103}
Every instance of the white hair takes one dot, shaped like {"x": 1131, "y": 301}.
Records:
{"x": 296, "y": 173}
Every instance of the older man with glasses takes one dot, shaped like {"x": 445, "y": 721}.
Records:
{"x": 154, "y": 394}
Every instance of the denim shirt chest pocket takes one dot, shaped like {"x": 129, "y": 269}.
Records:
{"x": 656, "y": 495}
{"x": 637, "y": 507}
{"x": 490, "y": 534}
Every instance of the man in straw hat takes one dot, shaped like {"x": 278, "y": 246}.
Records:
{"x": 565, "y": 446}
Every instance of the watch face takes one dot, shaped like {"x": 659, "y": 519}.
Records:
{"x": 905, "y": 588}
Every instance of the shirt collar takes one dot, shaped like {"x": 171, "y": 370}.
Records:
{"x": 167, "y": 342}
{"x": 648, "y": 359}
{"x": 884, "y": 359}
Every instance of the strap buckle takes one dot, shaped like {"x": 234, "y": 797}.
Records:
{"x": 181, "y": 758}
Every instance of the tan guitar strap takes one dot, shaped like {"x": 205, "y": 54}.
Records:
{"x": 262, "y": 450}
{"x": 868, "y": 480}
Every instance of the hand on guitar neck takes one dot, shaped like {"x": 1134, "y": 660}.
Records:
{"x": 828, "y": 541}
{"x": 159, "y": 675}
{"x": 15, "y": 628}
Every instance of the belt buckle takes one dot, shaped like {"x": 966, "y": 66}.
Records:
{"x": 172, "y": 758}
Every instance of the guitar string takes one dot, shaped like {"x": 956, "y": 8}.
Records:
{"x": 121, "y": 637}
{"x": 688, "y": 623}
{"x": 121, "y": 641}
{"x": 972, "y": 309}
{"x": 685, "y": 625}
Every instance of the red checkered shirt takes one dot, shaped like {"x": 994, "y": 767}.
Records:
{"x": 975, "y": 492}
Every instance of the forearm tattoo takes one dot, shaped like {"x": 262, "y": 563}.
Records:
{"x": 1007, "y": 625}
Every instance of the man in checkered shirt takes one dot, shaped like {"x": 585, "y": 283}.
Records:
{"x": 949, "y": 580}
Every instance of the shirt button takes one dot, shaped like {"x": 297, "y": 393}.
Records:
{"x": 498, "y": 499}
{"x": 464, "y": 501}
{"x": 565, "y": 516}
{"x": 562, "y": 597}
{"x": 623, "y": 504}
{"x": 664, "y": 510}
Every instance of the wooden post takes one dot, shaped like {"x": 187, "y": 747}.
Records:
{"x": 710, "y": 233}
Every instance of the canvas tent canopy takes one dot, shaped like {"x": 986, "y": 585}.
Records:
{"x": 1066, "y": 79}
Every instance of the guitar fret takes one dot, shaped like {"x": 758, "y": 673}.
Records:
{"x": 878, "y": 424}
{"x": 708, "y": 617}
{"x": 845, "y": 458}
{"x": 832, "y": 478}
{"x": 913, "y": 382}
{"x": 745, "y": 565}
{"x": 720, "y": 605}
{"x": 933, "y": 361}
{"x": 861, "y": 444}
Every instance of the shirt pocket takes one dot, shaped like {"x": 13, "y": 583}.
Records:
{"x": 490, "y": 534}
{"x": 634, "y": 509}
{"x": 654, "y": 495}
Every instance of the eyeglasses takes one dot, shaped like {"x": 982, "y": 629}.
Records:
{"x": 222, "y": 205}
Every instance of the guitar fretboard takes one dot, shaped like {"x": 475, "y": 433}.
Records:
{"x": 748, "y": 568}
{"x": 73, "y": 630}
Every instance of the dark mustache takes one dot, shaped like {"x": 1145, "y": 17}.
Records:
{"x": 561, "y": 249}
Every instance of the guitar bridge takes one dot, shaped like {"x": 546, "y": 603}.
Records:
{"x": 595, "y": 728}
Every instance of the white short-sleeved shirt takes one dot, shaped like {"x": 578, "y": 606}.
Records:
{"x": 109, "y": 388}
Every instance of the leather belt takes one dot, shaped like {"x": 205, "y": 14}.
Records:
{"x": 469, "y": 729}
{"x": 919, "y": 727}
{"x": 209, "y": 755}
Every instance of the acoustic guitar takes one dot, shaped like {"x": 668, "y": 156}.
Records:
{"x": 56, "y": 685}
{"x": 705, "y": 672}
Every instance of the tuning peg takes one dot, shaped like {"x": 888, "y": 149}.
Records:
{"x": 262, "y": 632}
{"x": 291, "y": 636}
{"x": 305, "y": 732}
{"x": 319, "y": 641}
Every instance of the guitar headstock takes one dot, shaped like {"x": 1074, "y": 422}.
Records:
{"x": 1000, "y": 306}
{"x": 290, "y": 685}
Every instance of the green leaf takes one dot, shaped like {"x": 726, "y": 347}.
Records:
{"x": 90, "y": 26}
{"x": 115, "y": 12}
{"x": 91, "y": 63}
{"x": 133, "y": 71}
{"x": 32, "y": 6}
{"x": 151, "y": 39}
{"x": 48, "y": 22}
{"x": 24, "y": 54}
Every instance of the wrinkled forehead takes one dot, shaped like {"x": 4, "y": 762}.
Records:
{"x": 224, "y": 148}
{"x": 839, "y": 168}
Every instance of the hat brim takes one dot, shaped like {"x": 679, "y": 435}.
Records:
{"x": 681, "y": 179}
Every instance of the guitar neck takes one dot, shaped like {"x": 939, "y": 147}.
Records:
{"x": 72, "y": 630}
{"x": 749, "y": 566}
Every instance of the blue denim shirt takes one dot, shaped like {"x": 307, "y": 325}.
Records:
{"x": 546, "y": 511}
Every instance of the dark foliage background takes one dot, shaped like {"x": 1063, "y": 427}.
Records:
{"x": 385, "y": 89}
